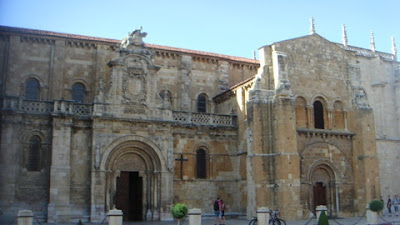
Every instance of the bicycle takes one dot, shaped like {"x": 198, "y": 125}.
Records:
{"x": 275, "y": 220}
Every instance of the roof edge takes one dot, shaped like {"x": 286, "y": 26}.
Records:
{"x": 115, "y": 41}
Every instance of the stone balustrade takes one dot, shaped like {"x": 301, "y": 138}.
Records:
{"x": 46, "y": 107}
{"x": 68, "y": 107}
{"x": 203, "y": 118}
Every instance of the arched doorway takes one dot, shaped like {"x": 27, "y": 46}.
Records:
{"x": 133, "y": 181}
{"x": 323, "y": 187}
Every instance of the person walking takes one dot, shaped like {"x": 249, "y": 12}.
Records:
{"x": 217, "y": 211}
{"x": 396, "y": 203}
{"x": 389, "y": 206}
{"x": 222, "y": 212}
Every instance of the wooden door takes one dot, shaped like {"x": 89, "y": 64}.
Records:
{"x": 135, "y": 197}
{"x": 319, "y": 194}
{"x": 129, "y": 196}
{"x": 122, "y": 194}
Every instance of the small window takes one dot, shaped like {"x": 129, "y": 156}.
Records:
{"x": 78, "y": 92}
{"x": 32, "y": 89}
{"x": 202, "y": 103}
{"x": 33, "y": 161}
{"x": 318, "y": 115}
{"x": 201, "y": 163}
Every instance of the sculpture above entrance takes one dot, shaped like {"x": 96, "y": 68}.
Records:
{"x": 134, "y": 38}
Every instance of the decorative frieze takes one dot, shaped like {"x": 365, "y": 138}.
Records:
{"x": 204, "y": 59}
{"x": 165, "y": 54}
{"x": 80, "y": 44}
{"x": 39, "y": 40}
{"x": 243, "y": 66}
{"x": 324, "y": 133}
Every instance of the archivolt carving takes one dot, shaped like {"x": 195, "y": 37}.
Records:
{"x": 129, "y": 162}
{"x": 320, "y": 175}
{"x": 321, "y": 161}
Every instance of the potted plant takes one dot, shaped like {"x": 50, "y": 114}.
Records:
{"x": 375, "y": 206}
{"x": 179, "y": 211}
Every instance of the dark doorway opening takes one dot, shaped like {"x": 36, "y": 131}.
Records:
{"x": 319, "y": 194}
{"x": 129, "y": 195}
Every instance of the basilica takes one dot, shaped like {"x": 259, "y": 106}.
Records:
{"x": 92, "y": 124}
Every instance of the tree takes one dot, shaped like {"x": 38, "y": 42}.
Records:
{"x": 375, "y": 205}
{"x": 323, "y": 219}
{"x": 179, "y": 211}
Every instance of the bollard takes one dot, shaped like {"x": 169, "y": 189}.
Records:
{"x": 263, "y": 216}
{"x": 194, "y": 216}
{"x": 319, "y": 210}
{"x": 115, "y": 217}
{"x": 372, "y": 217}
{"x": 25, "y": 217}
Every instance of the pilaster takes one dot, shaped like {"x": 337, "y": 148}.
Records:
{"x": 60, "y": 172}
{"x": 286, "y": 159}
{"x": 366, "y": 175}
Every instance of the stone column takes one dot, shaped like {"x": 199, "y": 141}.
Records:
{"x": 310, "y": 114}
{"x": 115, "y": 217}
{"x": 263, "y": 216}
{"x": 25, "y": 217}
{"x": 319, "y": 210}
{"x": 194, "y": 216}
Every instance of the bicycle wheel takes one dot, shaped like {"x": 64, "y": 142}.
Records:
{"x": 253, "y": 222}
{"x": 279, "y": 222}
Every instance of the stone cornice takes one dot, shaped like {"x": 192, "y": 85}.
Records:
{"x": 324, "y": 133}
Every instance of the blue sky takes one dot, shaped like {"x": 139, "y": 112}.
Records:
{"x": 232, "y": 27}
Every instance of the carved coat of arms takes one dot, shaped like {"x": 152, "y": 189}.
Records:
{"x": 134, "y": 88}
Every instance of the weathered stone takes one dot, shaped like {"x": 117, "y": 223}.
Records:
{"x": 312, "y": 120}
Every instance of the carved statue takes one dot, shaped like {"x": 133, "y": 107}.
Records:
{"x": 97, "y": 157}
{"x": 100, "y": 94}
{"x": 134, "y": 38}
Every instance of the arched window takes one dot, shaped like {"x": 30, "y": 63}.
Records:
{"x": 318, "y": 115}
{"x": 33, "y": 159}
{"x": 202, "y": 103}
{"x": 78, "y": 92}
{"x": 201, "y": 170}
{"x": 32, "y": 89}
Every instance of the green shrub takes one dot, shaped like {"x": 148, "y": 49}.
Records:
{"x": 80, "y": 222}
{"x": 179, "y": 211}
{"x": 323, "y": 219}
{"x": 375, "y": 205}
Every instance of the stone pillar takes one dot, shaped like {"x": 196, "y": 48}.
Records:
{"x": 263, "y": 216}
{"x": 319, "y": 210}
{"x": 115, "y": 217}
{"x": 25, "y": 217}
{"x": 194, "y": 216}
{"x": 372, "y": 217}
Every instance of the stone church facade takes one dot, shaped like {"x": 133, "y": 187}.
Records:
{"x": 89, "y": 124}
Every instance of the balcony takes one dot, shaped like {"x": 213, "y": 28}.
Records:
{"x": 67, "y": 107}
